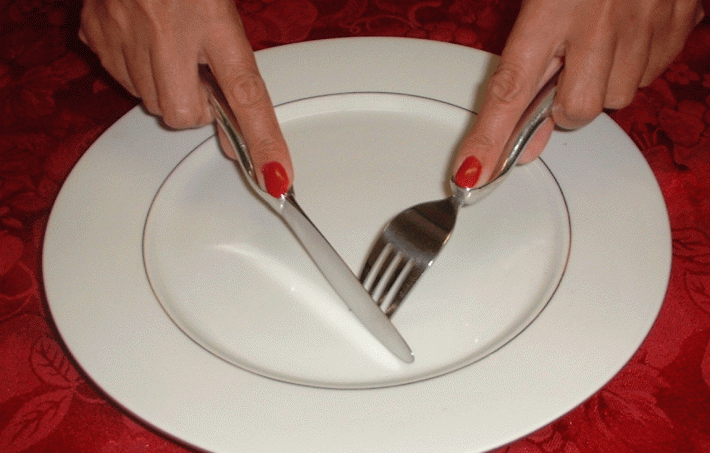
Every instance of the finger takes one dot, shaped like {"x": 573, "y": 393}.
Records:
{"x": 115, "y": 64}
{"x": 140, "y": 78}
{"x": 527, "y": 61}
{"x": 635, "y": 31}
{"x": 111, "y": 57}
{"x": 630, "y": 63}
{"x": 582, "y": 87}
{"x": 668, "y": 41}
{"x": 498, "y": 117}
{"x": 99, "y": 34}
{"x": 119, "y": 71}
{"x": 180, "y": 95}
{"x": 537, "y": 142}
{"x": 234, "y": 66}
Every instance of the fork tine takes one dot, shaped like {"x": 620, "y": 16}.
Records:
{"x": 375, "y": 254}
{"x": 390, "y": 260}
{"x": 414, "y": 273}
{"x": 393, "y": 277}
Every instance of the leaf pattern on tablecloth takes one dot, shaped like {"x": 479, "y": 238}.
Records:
{"x": 692, "y": 248}
{"x": 692, "y": 244}
{"x": 473, "y": 24}
{"x": 55, "y": 101}
{"x": 698, "y": 287}
{"x": 11, "y": 248}
{"x": 36, "y": 418}
{"x": 269, "y": 23}
{"x": 19, "y": 292}
{"x": 624, "y": 417}
{"x": 686, "y": 400}
{"x": 17, "y": 336}
{"x": 51, "y": 364}
{"x": 680, "y": 73}
{"x": 683, "y": 128}
{"x": 705, "y": 365}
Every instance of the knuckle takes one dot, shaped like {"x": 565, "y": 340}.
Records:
{"x": 621, "y": 91}
{"x": 619, "y": 100}
{"x": 151, "y": 104}
{"x": 578, "y": 110}
{"x": 183, "y": 117}
{"x": 265, "y": 149}
{"x": 247, "y": 87}
{"x": 506, "y": 83}
{"x": 479, "y": 143}
{"x": 183, "y": 110}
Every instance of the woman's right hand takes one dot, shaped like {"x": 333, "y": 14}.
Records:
{"x": 610, "y": 48}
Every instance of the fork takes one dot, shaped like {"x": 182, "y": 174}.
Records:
{"x": 410, "y": 242}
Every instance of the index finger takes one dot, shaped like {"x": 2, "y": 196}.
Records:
{"x": 528, "y": 61}
{"x": 233, "y": 63}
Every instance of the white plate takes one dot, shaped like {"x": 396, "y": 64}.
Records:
{"x": 545, "y": 291}
{"x": 231, "y": 275}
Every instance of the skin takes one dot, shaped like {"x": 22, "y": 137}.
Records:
{"x": 610, "y": 48}
{"x": 153, "y": 48}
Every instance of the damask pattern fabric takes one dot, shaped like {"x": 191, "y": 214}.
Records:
{"x": 55, "y": 100}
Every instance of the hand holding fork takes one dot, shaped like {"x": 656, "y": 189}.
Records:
{"x": 411, "y": 241}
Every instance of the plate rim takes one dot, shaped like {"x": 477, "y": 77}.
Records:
{"x": 453, "y": 401}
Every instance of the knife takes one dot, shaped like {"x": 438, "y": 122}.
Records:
{"x": 328, "y": 261}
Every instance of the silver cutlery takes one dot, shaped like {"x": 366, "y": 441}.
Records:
{"x": 411, "y": 241}
{"x": 331, "y": 265}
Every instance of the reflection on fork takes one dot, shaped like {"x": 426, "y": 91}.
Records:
{"x": 405, "y": 249}
{"x": 411, "y": 241}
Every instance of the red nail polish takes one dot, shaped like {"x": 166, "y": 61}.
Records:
{"x": 275, "y": 179}
{"x": 469, "y": 172}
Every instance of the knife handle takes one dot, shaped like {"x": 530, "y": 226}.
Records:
{"x": 226, "y": 119}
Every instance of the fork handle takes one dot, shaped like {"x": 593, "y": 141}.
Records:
{"x": 539, "y": 109}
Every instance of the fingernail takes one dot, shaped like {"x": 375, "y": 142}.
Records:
{"x": 469, "y": 172}
{"x": 275, "y": 179}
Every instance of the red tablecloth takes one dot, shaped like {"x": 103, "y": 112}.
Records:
{"x": 55, "y": 100}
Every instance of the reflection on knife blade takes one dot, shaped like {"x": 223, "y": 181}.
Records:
{"x": 328, "y": 261}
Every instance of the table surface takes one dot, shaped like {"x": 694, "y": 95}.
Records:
{"x": 55, "y": 100}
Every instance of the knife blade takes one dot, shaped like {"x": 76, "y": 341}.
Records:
{"x": 321, "y": 252}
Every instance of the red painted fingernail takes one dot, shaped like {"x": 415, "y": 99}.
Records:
{"x": 275, "y": 179}
{"x": 469, "y": 172}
